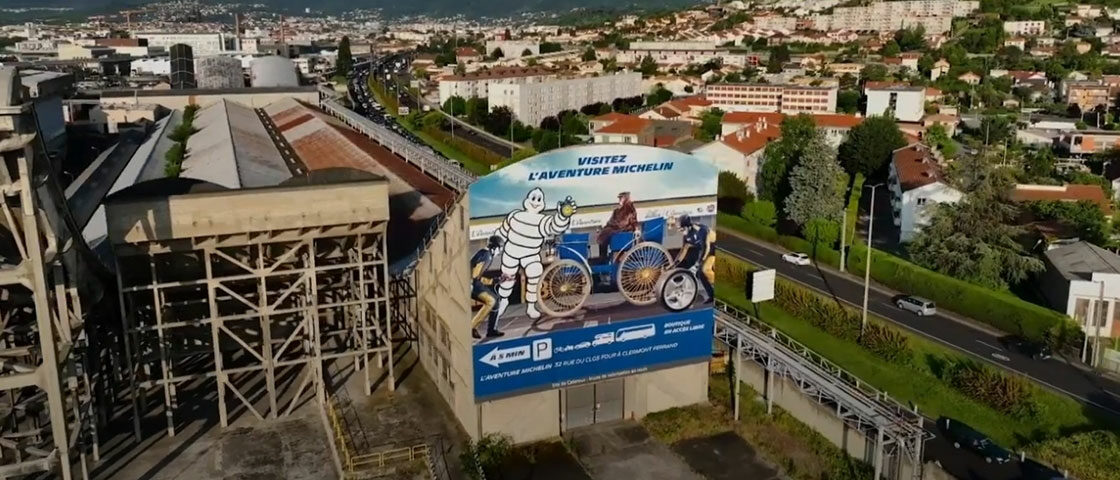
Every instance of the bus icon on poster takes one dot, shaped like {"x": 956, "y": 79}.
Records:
{"x": 635, "y": 333}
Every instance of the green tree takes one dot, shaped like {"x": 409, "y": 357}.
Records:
{"x": 773, "y": 65}
{"x": 783, "y": 154}
{"x": 589, "y": 55}
{"x": 499, "y": 122}
{"x": 432, "y": 120}
{"x": 976, "y": 239}
{"x": 869, "y": 145}
{"x": 760, "y": 212}
{"x": 460, "y": 69}
{"x": 485, "y": 458}
{"x": 1040, "y": 164}
{"x": 648, "y": 66}
{"x": 847, "y": 101}
{"x": 820, "y": 231}
{"x": 874, "y": 72}
{"x": 658, "y": 95}
{"x": 1085, "y": 217}
{"x": 937, "y": 137}
{"x": 731, "y": 193}
{"x": 910, "y": 39}
{"x": 711, "y": 123}
{"x": 476, "y": 111}
{"x": 575, "y": 125}
{"x": 817, "y": 185}
{"x": 890, "y": 49}
{"x": 455, "y": 105}
{"x": 497, "y": 53}
{"x": 995, "y": 129}
{"x": 550, "y": 47}
{"x": 345, "y": 61}
{"x": 526, "y": 53}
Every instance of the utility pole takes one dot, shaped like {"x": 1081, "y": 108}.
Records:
{"x": 867, "y": 260}
{"x": 1101, "y": 313}
{"x": 843, "y": 231}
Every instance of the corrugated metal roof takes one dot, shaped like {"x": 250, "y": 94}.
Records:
{"x": 231, "y": 148}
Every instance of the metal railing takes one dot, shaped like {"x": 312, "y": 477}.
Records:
{"x": 423, "y": 157}
{"x": 355, "y": 463}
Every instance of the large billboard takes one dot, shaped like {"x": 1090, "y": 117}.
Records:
{"x": 588, "y": 263}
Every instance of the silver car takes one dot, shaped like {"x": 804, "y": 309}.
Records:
{"x": 920, "y": 306}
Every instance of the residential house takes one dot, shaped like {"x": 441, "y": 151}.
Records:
{"x": 969, "y": 78}
{"x": 1076, "y": 278}
{"x": 1070, "y": 192}
{"x": 940, "y": 67}
{"x": 916, "y": 185}
{"x": 1088, "y": 94}
{"x": 1087, "y": 142}
{"x": 631, "y": 129}
{"x": 467, "y": 55}
{"x": 688, "y": 109}
{"x": 740, "y": 152}
{"x": 1017, "y": 42}
{"x": 834, "y": 126}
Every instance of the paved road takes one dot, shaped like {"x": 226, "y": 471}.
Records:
{"x": 1058, "y": 374}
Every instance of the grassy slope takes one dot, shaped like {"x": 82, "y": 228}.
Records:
{"x": 918, "y": 384}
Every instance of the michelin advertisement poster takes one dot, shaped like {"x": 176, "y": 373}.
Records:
{"x": 589, "y": 263}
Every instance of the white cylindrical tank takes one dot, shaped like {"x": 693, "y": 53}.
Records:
{"x": 273, "y": 71}
{"x": 218, "y": 72}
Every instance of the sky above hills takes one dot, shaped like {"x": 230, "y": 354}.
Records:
{"x": 473, "y": 8}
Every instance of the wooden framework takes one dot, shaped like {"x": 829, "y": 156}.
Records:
{"x": 257, "y": 314}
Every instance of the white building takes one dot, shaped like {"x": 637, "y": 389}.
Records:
{"x": 1025, "y": 28}
{"x": 904, "y": 103}
{"x": 765, "y": 97}
{"x": 916, "y": 185}
{"x": 740, "y": 152}
{"x": 683, "y": 53}
{"x": 200, "y": 43}
{"x": 531, "y": 102}
{"x": 1073, "y": 281}
{"x": 936, "y": 16}
{"x": 513, "y": 48}
{"x": 834, "y": 126}
{"x": 477, "y": 84}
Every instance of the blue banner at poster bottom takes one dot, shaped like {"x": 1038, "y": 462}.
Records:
{"x": 570, "y": 357}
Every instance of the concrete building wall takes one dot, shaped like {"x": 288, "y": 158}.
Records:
{"x": 200, "y": 43}
{"x": 907, "y": 105}
{"x": 443, "y": 296}
{"x": 531, "y": 102}
{"x": 526, "y": 418}
{"x": 248, "y": 98}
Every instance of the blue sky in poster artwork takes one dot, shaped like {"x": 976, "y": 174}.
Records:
{"x": 594, "y": 175}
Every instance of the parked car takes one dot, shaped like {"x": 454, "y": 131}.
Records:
{"x": 918, "y": 305}
{"x": 965, "y": 436}
{"x": 797, "y": 258}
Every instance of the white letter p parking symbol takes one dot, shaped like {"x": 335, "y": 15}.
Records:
{"x": 542, "y": 349}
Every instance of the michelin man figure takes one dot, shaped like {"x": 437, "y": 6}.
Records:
{"x": 524, "y": 232}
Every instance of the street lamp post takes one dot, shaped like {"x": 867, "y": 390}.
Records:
{"x": 867, "y": 259}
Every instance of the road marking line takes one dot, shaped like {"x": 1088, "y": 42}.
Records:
{"x": 955, "y": 347}
{"x": 989, "y": 345}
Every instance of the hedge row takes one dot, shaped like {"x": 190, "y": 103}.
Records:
{"x": 1093, "y": 455}
{"x": 1001, "y": 310}
{"x": 998, "y": 309}
{"x": 468, "y": 147}
{"x": 824, "y": 313}
{"x": 1008, "y": 394}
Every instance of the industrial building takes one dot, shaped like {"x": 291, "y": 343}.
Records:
{"x": 273, "y": 71}
{"x": 201, "y": 43}
{"x": 219, "y": 72}
{"x": 182, "y": 66}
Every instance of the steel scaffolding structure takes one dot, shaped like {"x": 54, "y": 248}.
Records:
{"x": 253, "y": 316}
{"x": 896, "y": 429}
{"x": 46, "y": 380}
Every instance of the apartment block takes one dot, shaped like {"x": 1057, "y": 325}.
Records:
{"x": 513, "y": 48}
{"x": 936, "y": 16}
{"x": 791, "y": 99}
{"x": 531, "y": 102}
{"x": 477, "y": 84}
{"x": 903, "y": 102}
{"x": 1025, "y": 28}
{"x": 685, "y": 53}
{"x": 1089, "y": 94}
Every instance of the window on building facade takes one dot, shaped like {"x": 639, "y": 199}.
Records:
{"x": 1100, "y": 313}
{"x": 1081, "y": 310}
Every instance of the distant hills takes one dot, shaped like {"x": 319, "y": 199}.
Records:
{"x": 396, "y": 8}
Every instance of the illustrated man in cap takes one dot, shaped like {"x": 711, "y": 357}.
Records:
{"x": 623, "y": 219}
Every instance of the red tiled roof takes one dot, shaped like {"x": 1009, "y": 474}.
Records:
{"x": 611, "y": 117}
{"x": 915, "y": 166}
{"x": 1064, "y": 193}
{"x": 627, "y": 126}
{"x": 667, "y": 112}
{"x": 752, "y": 138}
{"x": 466, "y": 52}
